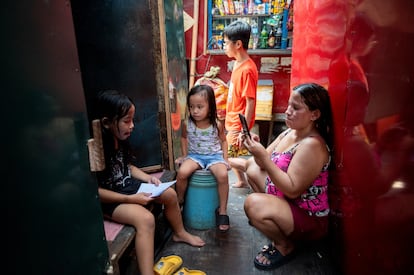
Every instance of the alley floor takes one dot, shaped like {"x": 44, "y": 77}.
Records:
{"x": 233, "y": 252}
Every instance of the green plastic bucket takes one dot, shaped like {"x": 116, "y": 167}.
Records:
{"x": 201, "y": 201}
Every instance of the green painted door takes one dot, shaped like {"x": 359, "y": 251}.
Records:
{"x": 53, "y": 223}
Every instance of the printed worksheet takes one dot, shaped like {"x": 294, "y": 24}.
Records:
{"x": 154, "y": 190}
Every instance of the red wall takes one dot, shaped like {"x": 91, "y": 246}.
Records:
{"x": 361, "y": 51}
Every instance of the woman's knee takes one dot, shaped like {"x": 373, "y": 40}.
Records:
{"x": 251, "y": 167}
{"x": 256, "y": 177}
{"x": 253, "y": 204}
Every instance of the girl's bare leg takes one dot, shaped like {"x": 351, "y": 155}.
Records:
{"x": 219, "y": 171}
{"x": 143, "y": 221}
{"x": 186, "y": 169}
{"x": 173, "y": 214}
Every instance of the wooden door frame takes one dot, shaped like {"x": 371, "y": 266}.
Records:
{"x": 161, "y": 75}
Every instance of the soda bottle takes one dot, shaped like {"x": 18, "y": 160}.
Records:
{"x": 263, "y": 36}
{"x": 272, "y": 38}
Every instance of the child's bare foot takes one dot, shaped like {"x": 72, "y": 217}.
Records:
{"x": 186, "y": 237}
{"x": 240, "y": 184}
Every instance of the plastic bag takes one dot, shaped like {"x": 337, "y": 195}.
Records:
{"x": 220, "y": 88}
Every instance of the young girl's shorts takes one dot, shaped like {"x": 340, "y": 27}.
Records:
{"x": 205, "y": 161}
{"x": 131, "y": 188}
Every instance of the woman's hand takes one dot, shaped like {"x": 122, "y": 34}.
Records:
{"x": 242, "y": 137}
{"x": 256, "y": 149}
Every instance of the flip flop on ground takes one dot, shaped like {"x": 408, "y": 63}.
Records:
{"x": 168, "y": 265}
{"x": 272, "y": 255}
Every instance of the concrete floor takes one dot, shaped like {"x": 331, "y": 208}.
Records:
{"x": 233, "y": 252}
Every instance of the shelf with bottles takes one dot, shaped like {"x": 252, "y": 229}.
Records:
{"x": 271, "y": 22}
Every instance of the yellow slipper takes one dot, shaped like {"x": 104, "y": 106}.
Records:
{"x": 168, "y": 265}
{"x": 186, "y": 271}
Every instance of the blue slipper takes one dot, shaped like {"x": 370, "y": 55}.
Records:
{"x": 275, "y": 258}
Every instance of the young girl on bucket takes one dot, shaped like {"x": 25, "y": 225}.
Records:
{"x": 119, "y": 182}
{"x": 204, "y": 146}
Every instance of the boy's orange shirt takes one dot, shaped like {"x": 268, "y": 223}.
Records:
{"x": 243, "y": 85}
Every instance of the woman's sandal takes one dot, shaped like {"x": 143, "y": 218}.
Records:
{"x": 168, "y": 265}
{"x": 272, "y": 255}
{"x": 222, "y": 220}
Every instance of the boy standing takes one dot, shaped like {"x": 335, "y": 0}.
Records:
{"x": 242, "y": 90}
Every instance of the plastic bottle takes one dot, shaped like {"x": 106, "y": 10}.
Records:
{"x": 250, "y": 7}
{"x": 255, "y": 34}
{"x": 220, "y": 41}
{"x": 272, "y": 38}
{"x": 278, "y": 39}
{"x": 263, "y": 36}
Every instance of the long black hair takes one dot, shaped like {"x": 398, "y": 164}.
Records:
{"x": 316, "y": 97}
{"x": 112, "y": 105}
{"x": 207, "y": 92}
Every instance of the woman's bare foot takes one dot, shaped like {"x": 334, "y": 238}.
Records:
{"x": 186, "y": 237}
{"x": 240, "y": 184}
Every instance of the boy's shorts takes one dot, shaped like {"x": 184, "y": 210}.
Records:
{"x": 235, "y": 151}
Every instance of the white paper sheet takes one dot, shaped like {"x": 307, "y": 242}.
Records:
{"x": 154, "y": 190}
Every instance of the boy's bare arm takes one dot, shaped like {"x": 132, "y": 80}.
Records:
{"x": 223, "y": 140}
{"x": 250, "y": 109}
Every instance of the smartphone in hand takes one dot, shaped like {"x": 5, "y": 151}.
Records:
{"x": 244, "y": 125}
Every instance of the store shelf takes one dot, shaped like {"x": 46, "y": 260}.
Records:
{"x": 235, "y": 16}
{"x": 270, "y": 32}
{"x": 280, "y": 52}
